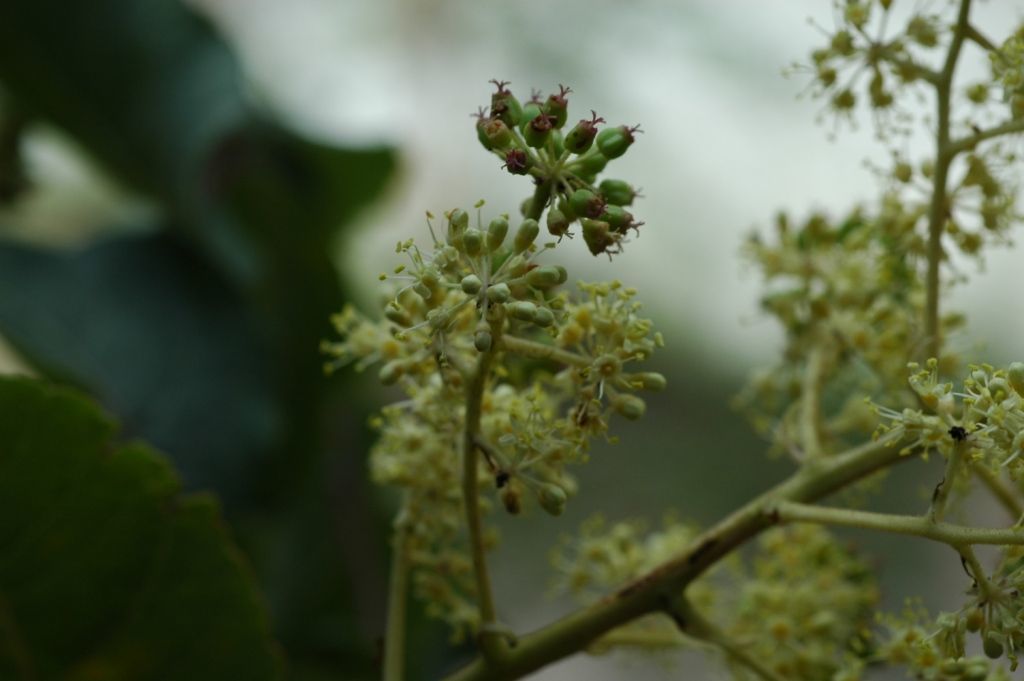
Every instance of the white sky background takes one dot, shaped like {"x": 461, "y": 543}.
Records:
{"x": 727, "y": 142}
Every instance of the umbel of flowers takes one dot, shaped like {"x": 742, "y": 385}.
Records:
{"x": 484, "y": 335}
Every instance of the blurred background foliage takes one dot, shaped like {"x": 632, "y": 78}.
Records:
{"x": 187, "y": 191}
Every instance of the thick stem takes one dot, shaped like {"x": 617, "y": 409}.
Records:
{"x": 394, "y": 641}
{"x": 938, "y": 208}
{"x": 954, "y": 535}
{"x": 647, "y": 594}
{"x": 491, "y": 642}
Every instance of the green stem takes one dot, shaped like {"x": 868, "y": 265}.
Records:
{"x": 491, "y": 643}
{"x": 535, "y": 350}
{"x": 954, "y": 535}
{"x": 982, "y": 41}
{"x": 541, "y": 194}
{"x": 937, "y": 210}
{"x": 967, "y": 143}
{"x": 988, "y": 590}
{"x": 941, "y": 496}
{"x": 394, "y": 642}
{"x": 647, "y": 594}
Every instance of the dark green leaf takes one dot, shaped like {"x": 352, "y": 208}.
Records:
{"x": 106, "y": 571}
{"x": 159, "y": 338}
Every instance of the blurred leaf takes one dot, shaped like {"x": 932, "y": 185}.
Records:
{"x": 204, "y": 337}
{"x": 106, "y": 571}
{"x": 159, "y": 338}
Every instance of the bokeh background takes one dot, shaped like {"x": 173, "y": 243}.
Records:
{"x": 189, "y": 189}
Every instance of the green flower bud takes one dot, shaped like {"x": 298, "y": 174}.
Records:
{"x": 976, "y": 672}
{"x": 922, "y": 30}
{"x": 458, "y": 221}
{"x": 586, "y": 203}
{"x": 978, "y": 93}
{"x": 538, "y": 131}
{"x": 617, "y": 192}
{"x": 558, "y": 223}
{"x": 618, "y": 218}
{"x": 391, "y": 372}
{"x": 552, "y": 498}
{"x": 473, "y": 242}
{"x": 496, "y": 232}
{"x": 596, "y": 235}
{"x": 1015, "y": 375}
{"x": 842, "y": 43}
{"x": 396, "y": 314}
{"x": 563, "y": 274}
{"x": 516, "y": 266}
{"x": 482, "y": 338}
{"x": 630, "y": 406}
{"x": 517, "y": 162}
{"x": 652, "y": 381}
{"x": 544, "y": 277}
{"x": 438, "y": 318}
{"x": 530, "y": 111}
{"x": 543, "y": 317}
{"x": 581, "y": 137}
{"x": 471, "y": 284}
{"x": 498, "y": 293}
{"x": 992, "y": 647}
{"x": 613, "y": 142}
{"x": 525, "y": 235}
{"x": 481, "y": 130}
{"x": 504, "y": 105}
{"x": 557, "y": 106}
{"x": 903, "y": 172}
{"x": 591, "y": 164}
{"x": 522, "y": 310}
{"x": 497, "y": 134}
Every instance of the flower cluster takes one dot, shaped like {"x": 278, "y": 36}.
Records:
{"x": 850, "y": 293}
{"x": 605, "y": 556}
{"x": 1008, "y": 71}
{"x": 931, "y": 649}
{"x": 804, "y": 605}
{"x": 985, "y": 418}
{"x": 859, "y": 50}
{"x": 478, "y": 297}
{"x": 533, "y": 139}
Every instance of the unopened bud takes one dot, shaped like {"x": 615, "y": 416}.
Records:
{"x": 613, "y": 142}
{"x": 552, "y": 498}
{"x": 630, "y": 406}
{"x": 471, "y": 284}
{"x": 525, "y": 235}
